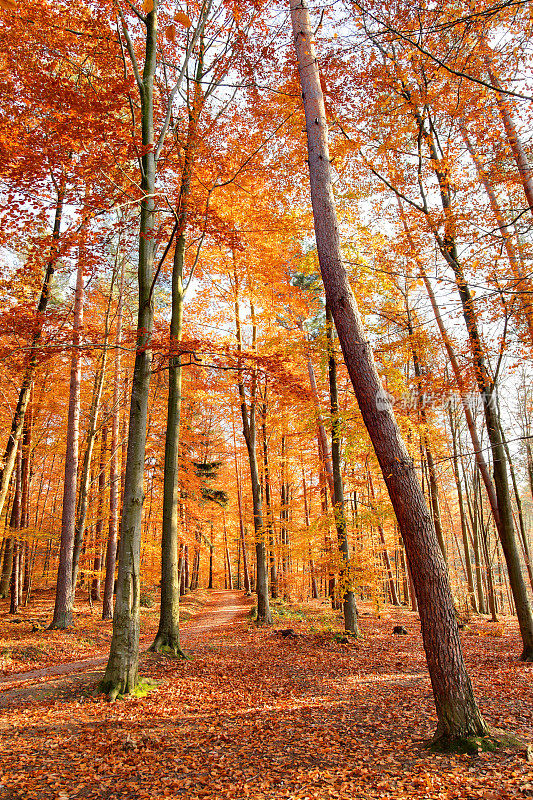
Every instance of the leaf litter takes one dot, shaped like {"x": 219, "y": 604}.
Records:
{"x": 257, "y": 715}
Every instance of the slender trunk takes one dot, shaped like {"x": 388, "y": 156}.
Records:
{"x": 284, "y": 516}
{"x": 25, "y": 490}
{"x": 519, "y": 152}
{"x": 268, "y": 505}
{"x": 226, "y": 553}
{"x": 464, "y": 528}
{"x": 14, "y": 524}
{"x": 99, "y": 528}
{"x": 246, "y": 573}
{"x": 345, "y": 576}
{"x": 385, "y": 552}
{"x": 64, "y": 589}
{"x": 168, "y": 631}
{"x": 92, "y": 430}
{"x": 523, "y": 286}
{"x": 457, "y": 712}
{"x": 7, "y": 565}
{"x": 264, "y": 616}
{"x": 314, "y": 584}
{"x": 114, "y": 471}
{"x": 487, "y": 390}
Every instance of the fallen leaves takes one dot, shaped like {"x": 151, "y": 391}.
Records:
{"x": 254, "y": 715}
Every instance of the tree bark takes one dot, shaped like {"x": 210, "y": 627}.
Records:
{"x": 14, "y": 524}
{"x": 457, "y": 711}
{"x": 64, "y": 594}
{"x": 121, "y": 674}
{"x": 114, "y": 471}
{"x": 349, "y": 606}
{"x": 264, "y": 616}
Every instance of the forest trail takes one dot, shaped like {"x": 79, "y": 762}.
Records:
{"x": 222, "y": 611}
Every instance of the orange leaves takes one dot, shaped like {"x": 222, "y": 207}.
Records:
{"x": 183, "y": 19}
{"x": 8, "y": 5}
{"x": 170, "y": 33}
{"x": 148, "y": 5}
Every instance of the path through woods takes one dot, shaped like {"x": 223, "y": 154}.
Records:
{"x": 256, "y": 715}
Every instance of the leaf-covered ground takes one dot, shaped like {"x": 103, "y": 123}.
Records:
{"x": 255, "y": 715}
{"x": 26, "y": 644}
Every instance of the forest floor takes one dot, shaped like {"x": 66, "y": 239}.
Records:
{"x": 252, "y": 714}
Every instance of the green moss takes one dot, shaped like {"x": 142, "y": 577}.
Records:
{"x": 494, "y": 740}
{"x": 144, "y": 687}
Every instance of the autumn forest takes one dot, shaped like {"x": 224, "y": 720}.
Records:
{"x": 266, "y": 342}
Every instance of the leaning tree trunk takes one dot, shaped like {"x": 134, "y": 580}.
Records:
{"x": 121, "y": 675}
{"x": 457, "y": 711}
{"x": 487, "y": 390}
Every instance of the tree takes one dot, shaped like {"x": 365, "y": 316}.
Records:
{"x": 457, "y": 711}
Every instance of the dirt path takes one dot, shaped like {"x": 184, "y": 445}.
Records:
{"x": 222, "y": 611}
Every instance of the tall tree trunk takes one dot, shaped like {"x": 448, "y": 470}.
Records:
{"x": 457, "y": 711}
{"x": 519, "y": 152}
{"x": 487, "y": 390}
{"x": 168, "y": 631}
{"x": 99, "y": 528}
{"x": 64, "y": 589}
{"x": 226, "y": 553}
{"x": 114, "y": 471}
{"x": 284, "y": 517}
{"x": 85, "y": 477}
{"x": 14, "y": 524}
{"x": 248, "y": 413}
{"x": 25, "y": 490}
{"x": 462, "y": 515}
{"x": 121, "y": 674}
{"x": 268, "y": 503}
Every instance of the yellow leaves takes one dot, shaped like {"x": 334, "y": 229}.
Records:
{"x": 183, "y": 19}
{"x": 8, "y": 5}
{"x": 148, "y": 5}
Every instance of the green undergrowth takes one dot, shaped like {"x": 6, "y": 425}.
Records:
{"x": 283, "y": 610}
